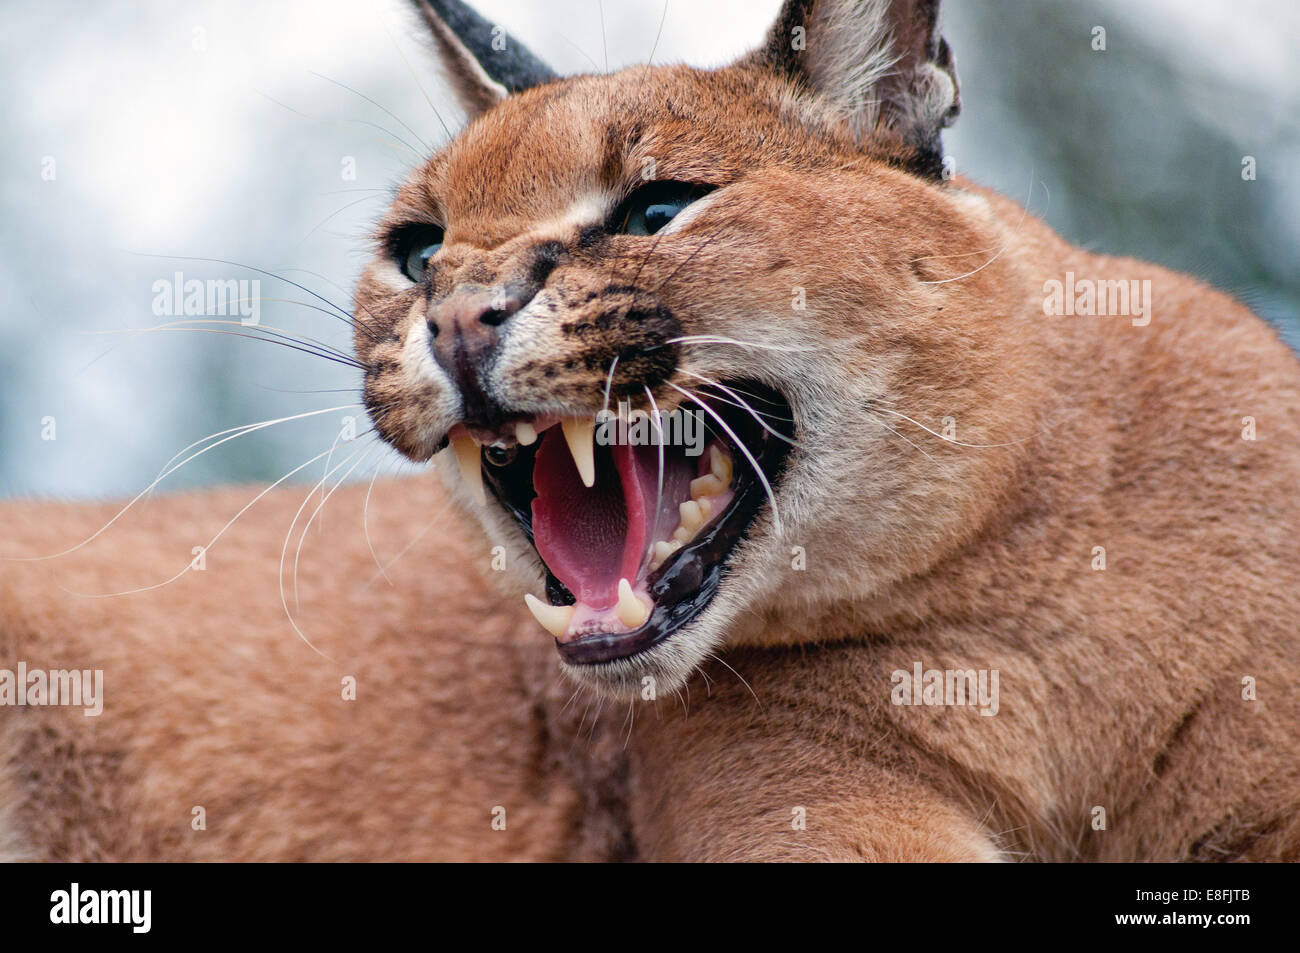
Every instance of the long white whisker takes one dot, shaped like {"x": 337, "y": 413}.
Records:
{"x": 383, "y": 570}
{"x": 221, "y": 532}
{"x": 1005, "y": 245}
{"x": 248, "y": 428}
{"x": 609, "y": 382}
{"x": 716, "y": 339}
{"x": 719, "y": 660}
{"x": 365, "y": 524}
{"x": 245, "y": 428}
{"x": 742, "y": 403}
{"x": 871, "y": 416}
{"x": 248, "y": 333}
{"x": 325, "y": 496}
{"x": 259, "y": 326}
{"x": 659, "y": 428}
{"x": 310, "y": 344}
{"x": 973, "y": 446}
{"x": 284, "y": 551}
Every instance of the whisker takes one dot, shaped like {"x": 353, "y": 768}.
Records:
{"x": 973, "y": 446}
{"x": 243, "y": 428}
{"x": 302, "y": 538}
{"x": 609, "y": 381}
{"x": 758, "y": 470}
{"x": 383, "y": 109}
{"x": 321, "y": 224}
{"x": 755, "y": 414}
{"x": 246, "y": 428}
{"x": 688, "y": 259}
{"x": 594, "y": 64}
{"x": 998, "y": 254}
{"x": 346, "y": 362}
{"x": 718, "y": 659}
{"x": 359, "y": 122}
{"x": 659, "y": 427}
{"x": 715, "y": 339}
{"x": 347, "y": 316}
{"x": 658, "y": 34}
{"x": 630, "y": 721}
{"x": 871, "y": 416}
{"x": 416, "y": 77}
{"x": 383, "y": 570}
{"x": 365, "y": 525}
{"x": 295, "y": 337}
{"x": 284, "y": 551}
{"x": 212, "y": 542}
{"x": 604, "y": 43}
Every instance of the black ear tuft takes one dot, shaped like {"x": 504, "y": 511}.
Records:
{"x": 484, "y": 63}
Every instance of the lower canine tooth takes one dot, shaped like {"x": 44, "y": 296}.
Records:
{"x": 631, "y": 611}
{"x": 580, "y": 434}
{"x": 467, "y": 456}
{"x": 554, "y": 619}
{"x": 525, "y": 434}
{"x": 720, "y": 464}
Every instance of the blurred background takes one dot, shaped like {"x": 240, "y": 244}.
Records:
{"x": 140, "y": 138}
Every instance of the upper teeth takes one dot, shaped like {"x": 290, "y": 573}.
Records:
{"x": 580, "y": 435}
{"x": 525, "y": 433}
{"x": 695, "y": 512}
{"x": 706, "y": 485}
{"x": 720, "y": 465}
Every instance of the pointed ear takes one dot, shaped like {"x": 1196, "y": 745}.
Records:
{"x": 883, "y": 63}
{"x": 485, "y": 65}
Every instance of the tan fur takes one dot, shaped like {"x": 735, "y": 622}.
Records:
{"x": 1120, "y": 689}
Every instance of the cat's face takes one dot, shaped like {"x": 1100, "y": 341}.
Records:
{"x": 717, "y": 248}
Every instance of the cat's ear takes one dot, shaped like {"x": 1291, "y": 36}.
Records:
{"x": 883, "y": 63}
{"x": 484, "y": 63}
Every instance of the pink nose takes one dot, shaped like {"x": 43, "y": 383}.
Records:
{"x": 464, "y": 328}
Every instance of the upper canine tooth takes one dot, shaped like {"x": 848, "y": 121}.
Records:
{"x": 467, "y": 456}
{"x": 580, "y": 435}
{"x": 720, "y": 464}
{"x": 525, "y": 434}
{"x": 631, "y": 611}
{"x": 554, "y": 619}
{"x": 707, "y": 485}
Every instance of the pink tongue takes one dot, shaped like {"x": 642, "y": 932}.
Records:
{"x": 592, "y": 537}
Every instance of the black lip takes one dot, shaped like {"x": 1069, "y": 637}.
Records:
{"x": 685, "y": 585}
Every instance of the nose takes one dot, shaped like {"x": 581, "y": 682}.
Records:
{"x": 464, "y": 328}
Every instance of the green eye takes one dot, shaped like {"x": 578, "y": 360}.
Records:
{"x": 651, "y": 207}
{"x": 414, "y": 247}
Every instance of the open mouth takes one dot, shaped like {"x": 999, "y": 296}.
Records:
{"x": 634, "y": 515}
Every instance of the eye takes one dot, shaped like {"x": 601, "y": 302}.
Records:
{"x": 413, "y": 247}
{"x": 653, "y": 206}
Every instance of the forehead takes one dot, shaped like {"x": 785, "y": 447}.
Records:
{"x": 537, "y": 155}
